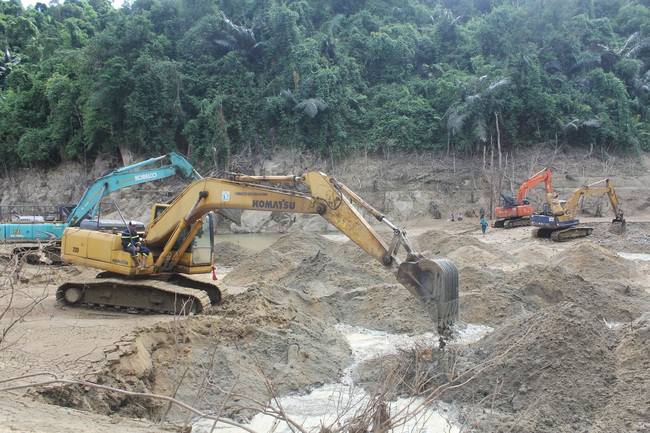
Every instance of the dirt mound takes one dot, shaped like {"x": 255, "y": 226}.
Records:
{"x": 540, "y": 254}
{"x": 338, "y": 282}
{"x": 629, "y": 405}
{"x": 301, "y": 244}
{"x": 312, "y": 264}
{"x": 273, "y": 262}
{"x": 594, "y": 263}
{"x": 610, "y": 300}
{"x": 463, "y": 250}
{"x": 475, "y": 256}
{"x": 486, "y": 298}
{"x": 542, "y": 370}
{"x": 438, "y": 242}
{"x": 326, "y": 273}
{"x": 490, "y": 296}
{"x": 230, "y": 253}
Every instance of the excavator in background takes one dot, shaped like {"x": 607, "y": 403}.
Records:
{"x": 34, "y": 228}
{"x": 181, "y": 245}
{"x": 516, "y": 211}
{"x": 558, "y": 218}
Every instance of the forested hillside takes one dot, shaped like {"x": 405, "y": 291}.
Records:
{"x": 217, "y": 78}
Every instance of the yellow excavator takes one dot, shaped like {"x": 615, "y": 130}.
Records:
{"x": 558, "y": 218}
{"x": 182, "y": 245}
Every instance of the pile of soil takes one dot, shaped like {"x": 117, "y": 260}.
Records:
{"x": 553, "y": 347}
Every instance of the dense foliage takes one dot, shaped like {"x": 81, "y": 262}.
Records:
{"x": 214, "y": 78}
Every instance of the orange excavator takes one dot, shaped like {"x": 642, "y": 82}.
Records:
{"x": 516, "y": 211}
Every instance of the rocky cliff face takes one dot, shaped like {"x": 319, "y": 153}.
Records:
{"x": 403, "y": 186}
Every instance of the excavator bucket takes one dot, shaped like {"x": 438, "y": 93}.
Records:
{"x": 618, "y": 226}
{"x": 434, "y": 282}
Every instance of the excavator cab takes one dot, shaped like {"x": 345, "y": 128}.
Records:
{"x": 508, "y": 200}
{"x": 199, "y": 254}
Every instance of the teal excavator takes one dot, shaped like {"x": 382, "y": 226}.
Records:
{"x": 36, "y": 230}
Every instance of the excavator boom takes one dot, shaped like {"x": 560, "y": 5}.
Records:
{"x": 175, "y": 228}
{"x": 541, "y": 176}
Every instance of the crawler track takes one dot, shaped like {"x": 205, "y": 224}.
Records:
{"x": 563, "y": 235}
{"x": 170, "y": 294}
{"x": 511, "y": 223}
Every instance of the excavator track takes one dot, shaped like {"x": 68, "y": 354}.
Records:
{"x": 511, "y": 223}
{"x": 563, "y": 235}
{"x": 498, "y": 224}
{"x": 175, "y": 294}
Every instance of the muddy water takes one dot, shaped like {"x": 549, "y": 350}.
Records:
{"x": 635, "y": 256}
{"x": 323, "y": 405}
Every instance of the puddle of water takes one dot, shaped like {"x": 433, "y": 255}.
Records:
{"x": 367, "y": 344}
{"x": 635, "y": 256}
{"x": 322, "y": 406}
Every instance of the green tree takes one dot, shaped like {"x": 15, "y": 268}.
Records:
{"x": 65, "y": 122}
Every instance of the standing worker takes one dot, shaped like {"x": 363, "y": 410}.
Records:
{"x": 484, "y": 225}
{"x": 131, "y": 243}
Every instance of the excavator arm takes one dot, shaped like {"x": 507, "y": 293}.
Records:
{"x": 129, "y": 176}
{"x": 541, "y": 176}
{"x": 604, "y": 186}
{"x": 136, "y": 174}
{"x": 434, "y": 282}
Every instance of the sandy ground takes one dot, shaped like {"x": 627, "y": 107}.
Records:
{"x": 570, "y": 350}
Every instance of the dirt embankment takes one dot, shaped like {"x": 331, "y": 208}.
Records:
{"x": 569, "y": 348}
